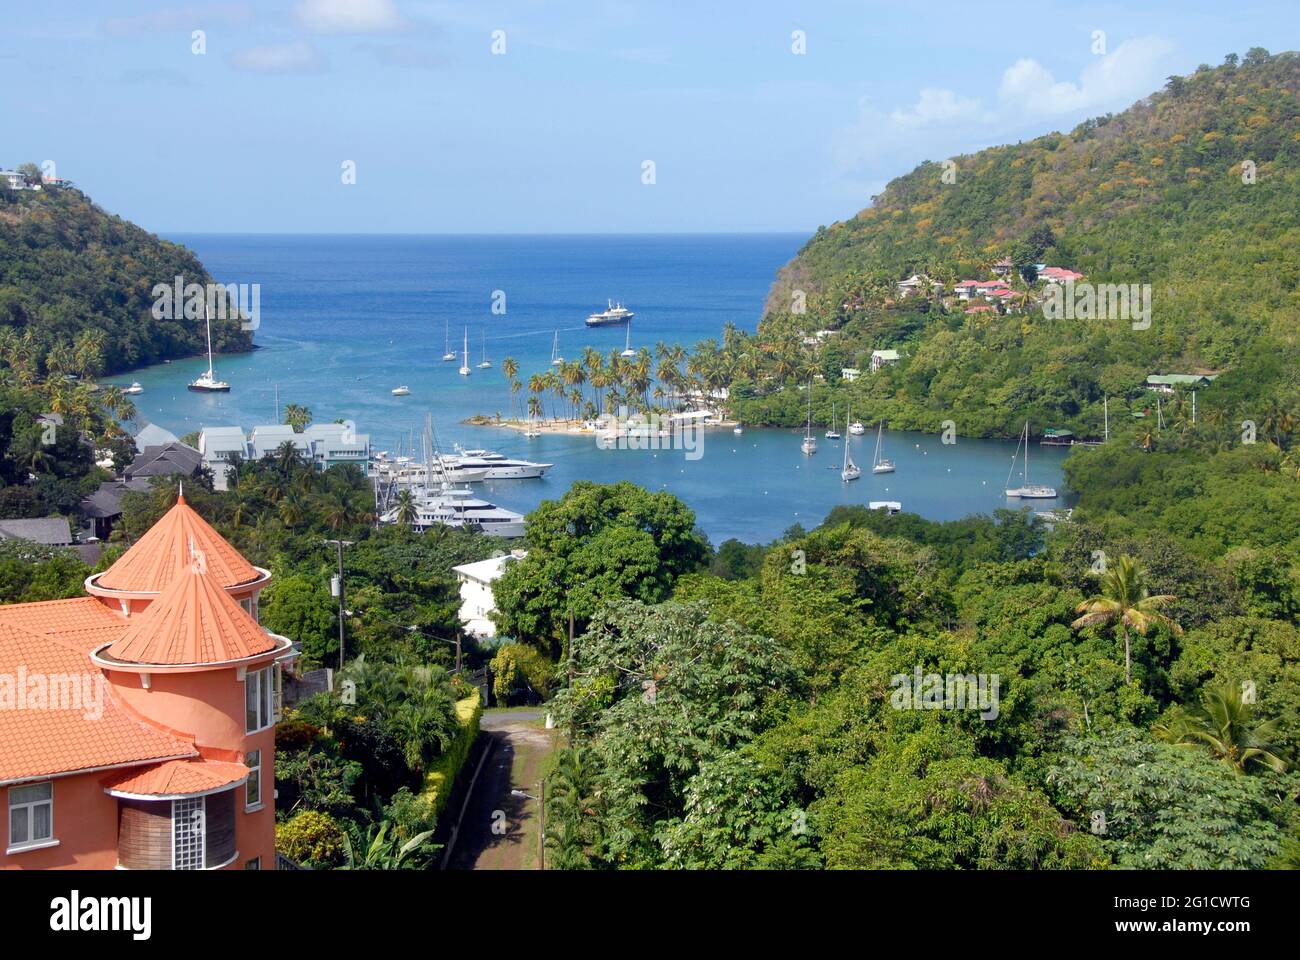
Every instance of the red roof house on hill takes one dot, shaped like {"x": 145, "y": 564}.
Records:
{"x": 137, "y": 724}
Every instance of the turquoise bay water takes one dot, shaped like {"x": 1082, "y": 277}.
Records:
{"x": 344, "y": 319}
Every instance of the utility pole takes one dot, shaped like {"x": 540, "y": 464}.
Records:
{"x": 337, "y": 590}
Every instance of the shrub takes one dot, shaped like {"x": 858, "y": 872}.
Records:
{"x": 312, "y": 839}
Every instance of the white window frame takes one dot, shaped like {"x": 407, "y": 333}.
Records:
{"x": 254, "y": 776}
{"x": 261, "y": 684}
{"x": 31, "y": 843}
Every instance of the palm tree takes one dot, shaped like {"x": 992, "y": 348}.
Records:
{"x": 297, "y": 416}
{"x": 338, "y": 510}
{"x": 510, "y": 367}
{"x": 405, "y": 507}
{"x": 1124, "y": 600}
{"x": 1224, "y": 723}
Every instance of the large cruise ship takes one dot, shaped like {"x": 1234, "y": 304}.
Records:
{"x": 496, "y": 466}
{"x": 612, "y": 314}
{"x": 458, "y": 507}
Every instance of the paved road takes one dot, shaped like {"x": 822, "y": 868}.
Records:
{"x": 499, "y": 831}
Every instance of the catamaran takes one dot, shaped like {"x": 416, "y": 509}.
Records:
{"x": 448, "y": 353}
{"x": 614, "y": 313}
{"x": 809, "y": 445}
{"x": 831, "y": 432}
{"x": 627, "y": 343}
{"x": 556, "y": 359}
{"x": 485, "y": 363}
{"x": 207, "y": 382}
{"x": 464, "y": 364}
{"x": 1027, "y": 490}
{"x": 850, "y": 470}
{"x": 880, "y": 464}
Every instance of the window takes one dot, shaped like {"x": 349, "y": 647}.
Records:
{"x": 253, "y": 789}
{"x": 31, "y": 815}
{"x": 189, "y": 833}
{"x": 259, "y": 699}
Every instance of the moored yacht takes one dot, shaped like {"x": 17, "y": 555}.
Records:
{"x": 458, "y": 507}
{"x": 1027, "y": 490}
{"x": 497, "y": 467}
{"x": 133, "y": 389}
{"x": 613, "y": 313}
{"x": 208, "y": 382}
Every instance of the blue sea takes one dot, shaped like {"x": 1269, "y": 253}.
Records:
{"x": 345, "y": 319}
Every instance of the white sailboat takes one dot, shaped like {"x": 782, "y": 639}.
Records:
{"x": 464, "y": 364}
{"x": 880, "y": 464}
{"x": 627, "y": 343}
{"x": 207, "y": 382}
{"x": 831, "y": 432}
{"x": 850, "y": 470}
{"x": 448, "y": 353}
{"x": 556, "y": 359}
{"x": 485, "y": 363}
{"x": 809, "y": 445}
{"x": 1027, "y": 490}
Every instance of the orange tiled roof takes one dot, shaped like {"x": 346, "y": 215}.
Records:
{"x": 178, "y": 778}
{"x": 67, "y": 732}
{"x": 165, "y": 550}
{"x": 82, "y": 622}
{"x": 193, "y": 621}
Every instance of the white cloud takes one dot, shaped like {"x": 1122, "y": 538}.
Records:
{"x": 1130, "y": 71}
{"x": 349, "y": 16}
{"x": 936, "y": 106}
{"x": 298, "y": 56}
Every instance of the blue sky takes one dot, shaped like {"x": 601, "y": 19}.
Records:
{"x": 551, "y": 135}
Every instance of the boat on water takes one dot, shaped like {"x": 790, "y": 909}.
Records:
{"x": 889, "y": 506}
{"x": 556, "y": 359}
{"x": 495, "y": 465}
{"x": 612, "y": 314}
{"x": 809, "y": 445}
{"x": 737, "y": 429}
{"x": 485, "y": 363}
{"x": 458, "y": 507}
{"x": 208, "y": 382}
{"x": 850, "y": 470}
{"x": 831, "y": 432}
{"x": 857, "y": 428}
{"x": 880, "y": 464}
{"x": 464, "y": 364}
{"x": 448, "y": 353}
{"x": 1026, "y": 490}
{"x": 627, "y": 343}
{"x": 402, "y": 391}
{"x": 134, "y": 389}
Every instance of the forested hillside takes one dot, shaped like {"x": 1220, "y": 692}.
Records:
{"x": 73, "y": 276}
{"x": 1194, "y": 190}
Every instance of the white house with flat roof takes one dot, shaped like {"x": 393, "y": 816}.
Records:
{"x": 477, "y": 602}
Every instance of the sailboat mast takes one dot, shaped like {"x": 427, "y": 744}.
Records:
{"x": 1026, "y": 453}
{"x": 847, "y": 438}
{"x": 208, "y": 319}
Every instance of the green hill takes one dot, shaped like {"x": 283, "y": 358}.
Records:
{"x": 1155, "y": 195}
{"x": 73, "y": 276}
